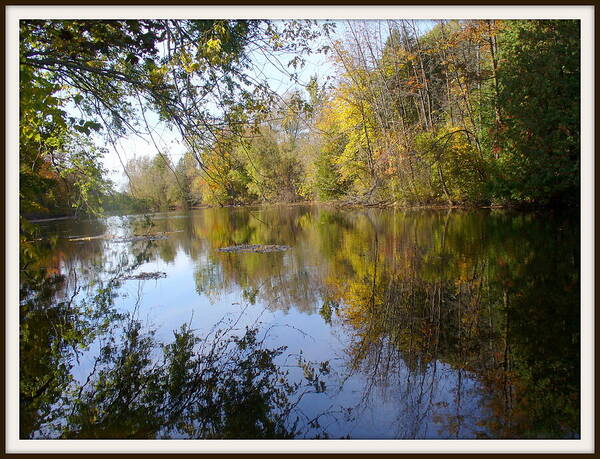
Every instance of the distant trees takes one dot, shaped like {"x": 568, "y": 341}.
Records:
{"x": 188, "y": 180}
{"x": 265, "y": 163}
{"x": 162, "y": 186}
{"x": 458, "y": 112}
{"x": 468, "y": 112}
{"x": 86, "y": 76}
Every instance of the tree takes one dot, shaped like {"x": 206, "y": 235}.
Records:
{"x": 67, "y": 64}
{"x": 153, "y": 180}
{"x": 188, "y": 176}
{"x": 539, "y": 78}
{"x": 112, "y": 71}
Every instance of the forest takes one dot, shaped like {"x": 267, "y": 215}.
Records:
{"x": 459, "y": 113}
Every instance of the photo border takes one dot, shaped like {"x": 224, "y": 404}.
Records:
{"x": 586, "y": 13}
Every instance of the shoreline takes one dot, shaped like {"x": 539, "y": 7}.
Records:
{"x": 338, "y": 205}
{"x": 346, "y": 205}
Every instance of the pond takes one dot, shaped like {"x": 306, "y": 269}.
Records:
{"x": 364, "y": 323}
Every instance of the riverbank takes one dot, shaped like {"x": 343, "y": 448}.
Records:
{"x": 390, "y": 205}
{"x": 338, "y": 204}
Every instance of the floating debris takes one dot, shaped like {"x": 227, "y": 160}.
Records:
{"x": 159, "y": 236}
{"x": 147, "y": 276}
{"x": 86, "y": 238}
{"x": 40, "y": 220}
{"x": 256, "y": 248}
{"x": 149, "y": 237}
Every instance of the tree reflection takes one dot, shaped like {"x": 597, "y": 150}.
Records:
{"x": 494, "y": 295}
{"x": 55, "y": 325}
{"x": 222, "y": 385}
{"x": 505, "y": 316}
{"x": 229, "y": 389}
{"x": 466, "y": 323}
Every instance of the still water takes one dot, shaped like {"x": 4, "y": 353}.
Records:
{"x": 373, "y": 324}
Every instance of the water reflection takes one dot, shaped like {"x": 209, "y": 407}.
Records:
{"x": 433, "y": 324}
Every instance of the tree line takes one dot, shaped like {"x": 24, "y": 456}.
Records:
{"x": 474, "y": 112}
{"x": 471, "y": 112}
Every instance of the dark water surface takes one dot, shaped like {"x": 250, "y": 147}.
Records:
{"x": 374, "y": 324}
